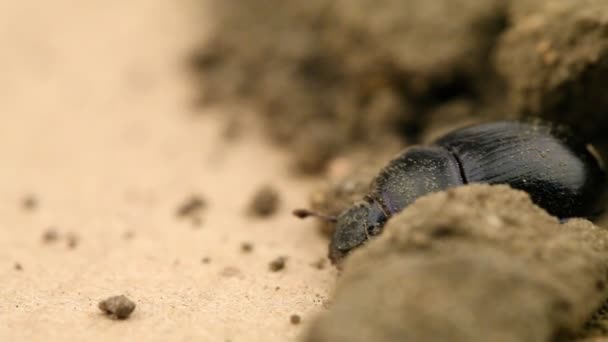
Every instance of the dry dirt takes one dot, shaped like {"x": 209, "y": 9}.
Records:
{"x": 98, "y": 126}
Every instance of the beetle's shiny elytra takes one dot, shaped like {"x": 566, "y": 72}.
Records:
{"x": 559, "y": 171}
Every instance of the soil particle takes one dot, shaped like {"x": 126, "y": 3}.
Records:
{"x": 191, "y": 207}
{"x": 265, "y": 202}
{"x": 206, "y": 260}
{"x": 18, "y": 267}
{"x": 295, "y": 319}
{"x": 499, "y": 243}
{"x": 320, "y": 264}
{"x": 50, "y": 235}
{"x": 117, "y": 307}
{"x": 277, "y": 264}
{"x": 247, "y": 247}
{"x": 29, "y": 203}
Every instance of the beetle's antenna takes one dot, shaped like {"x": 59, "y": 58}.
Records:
{"x": 304, "y": 213}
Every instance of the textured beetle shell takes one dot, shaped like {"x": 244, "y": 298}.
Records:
{"x": 559, "y": 172}
{"x": 418, "y": 171}
{"x": 547, "y": 161}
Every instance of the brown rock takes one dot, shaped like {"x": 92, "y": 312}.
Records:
{"x": 277, "y": 264}
{"x": 117, "y": 307}
{"x": 265, "y": 202}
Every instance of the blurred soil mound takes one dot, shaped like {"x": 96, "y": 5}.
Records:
{"x": 330, "y": 77}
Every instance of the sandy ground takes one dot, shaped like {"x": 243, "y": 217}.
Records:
{"x": 96, "y": 122}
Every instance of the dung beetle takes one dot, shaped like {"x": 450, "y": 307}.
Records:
{"x": 560, "y": 172}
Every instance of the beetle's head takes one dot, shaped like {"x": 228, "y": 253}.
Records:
{"x": 354, "y": 227}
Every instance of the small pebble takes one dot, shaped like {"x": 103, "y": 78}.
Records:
{"x": 50, "y": 235}
{"x": 191, "y": 207}
{"x": 117, "y": 307}
{"x": 265, "y": 202}
{"x": 246, "y": 247}
{"x": 277, "y": 264}
{"x": 319, "y": 264}
{"x": 295, "y": 319}
{"x": 29, "y": 203}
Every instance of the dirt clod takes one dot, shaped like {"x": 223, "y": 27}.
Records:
{"x": 265, "y": 202}
{"x": 117, "y": 307}
{"x": 320, "y": 264}
{"x": 328, "y": 76}
{"x": 29, "y": 203}
{"x": 554, "y": 59}
{"x": 50, "y": 235}
{"x": 246, "y": 247}
{"x": 295, "y": 319}
{"x": 191, "y": 207}
{"x": 501, "y": 248}
{"x": 277, "y": 264}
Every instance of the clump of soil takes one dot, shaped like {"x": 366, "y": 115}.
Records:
{"x": 192, "y": 209}
{"x": 554, "y": 58}
{"x": 29, "y": 203}
{"x": 247, "y": 247}
{"x": 320, "y": 264}
{"x": 327, "y": 76}
{"x": 18, "y": 267}
{"x": 462, "y": 250}
{"x": 295, "y": 319}
{"x": 265, "y": 202}
{"x": 50, "y": 235}
{"x": 332, "y": 77}
{"x": 277, "y": 264}
{"x": 117, "y": 307}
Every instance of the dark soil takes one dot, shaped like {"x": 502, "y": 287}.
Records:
{"x": 29, "y": 203}
{"x": 295, "y": 319}
{"x": 50, "y": 235}
{"x": 191, "y": 209}
{"x": 277, "y": 264}
{"x": 265, "y": 202}
{"x": 332, "y": 77}
{"x": 247, "y": 247}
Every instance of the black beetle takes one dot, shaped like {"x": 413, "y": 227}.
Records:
{"x": 560, "y": 172}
